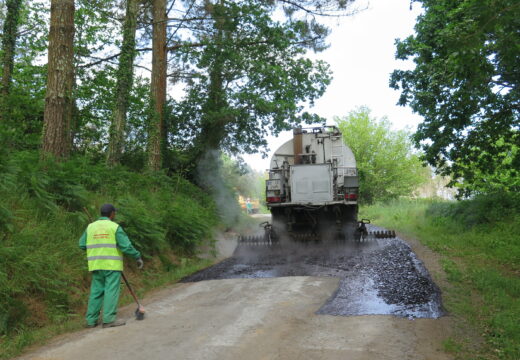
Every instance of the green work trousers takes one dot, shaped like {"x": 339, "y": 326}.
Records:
{"x": 104, "y": 292}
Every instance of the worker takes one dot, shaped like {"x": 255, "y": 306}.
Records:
{"x": 105, "y": 242}
{"x": 249, "y": 206}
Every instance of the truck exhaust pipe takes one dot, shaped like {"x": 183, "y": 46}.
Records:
{"x": 297, "y": 145}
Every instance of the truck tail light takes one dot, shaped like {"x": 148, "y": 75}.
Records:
{"x": 351, "y": 196}
{"x": 273, "y": 199}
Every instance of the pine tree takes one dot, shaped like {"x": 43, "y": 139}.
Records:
{"x": 158, "y": 86}
{"x": 60, "y": 81}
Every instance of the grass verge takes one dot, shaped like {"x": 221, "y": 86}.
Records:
{"x": 479, "y": 241}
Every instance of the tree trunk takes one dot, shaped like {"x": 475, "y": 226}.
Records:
{"x": 8, "y": 49}
{"x": 215, "y": 117}
{"x": 158, "y": 86}
{"x": 9, "y": 43}
{"x": 125, "y": 75}
{"x": 60, "y": 80}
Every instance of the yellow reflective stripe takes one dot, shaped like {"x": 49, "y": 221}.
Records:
{"x": 90, "y": 258}
{"x": 94, "y": 246}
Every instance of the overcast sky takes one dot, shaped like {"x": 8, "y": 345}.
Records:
{"x": 361, "y": 56}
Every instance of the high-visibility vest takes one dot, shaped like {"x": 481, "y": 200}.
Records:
{"x": 102, "y": 250}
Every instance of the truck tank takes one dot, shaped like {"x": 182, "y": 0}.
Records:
{"x": 313, "y": 184}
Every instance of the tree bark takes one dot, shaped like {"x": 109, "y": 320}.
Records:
{"x": 156, "y": 133}
{"x": 125, "y": 76}
{"x": 9, "y": 43}
{"x": 8, "y": 49}
{"x": 60, "y": 80}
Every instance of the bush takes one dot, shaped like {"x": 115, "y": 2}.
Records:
{"x": 483, "y": 209}
{"x": 187, "y": 223}
{"x": 142, "y": 225}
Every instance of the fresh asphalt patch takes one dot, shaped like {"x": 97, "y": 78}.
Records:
{"x": 377, "y": 277}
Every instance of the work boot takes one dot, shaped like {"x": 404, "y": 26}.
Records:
{"x": 91, "y": 326}
{"x": 114, "y": 324}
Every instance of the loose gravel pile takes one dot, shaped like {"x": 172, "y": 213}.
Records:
{"x": 382, "y": 276}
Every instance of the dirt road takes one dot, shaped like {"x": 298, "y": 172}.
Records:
{"x": 256, "y": 311}
{"x": 273, "y": 318}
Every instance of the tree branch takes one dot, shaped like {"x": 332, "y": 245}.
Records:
{"x": 188, "y": 45}
{"x": 189, "y": 19}
{"x": 181, "y": 22}
{"x": 171, "y": 7}
{"x": 313, "y": 12}
{"x": 99, "y": 60}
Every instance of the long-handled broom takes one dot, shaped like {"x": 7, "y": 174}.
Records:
{"x": 139, "y": 312}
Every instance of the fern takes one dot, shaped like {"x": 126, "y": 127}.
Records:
{"x": 44, "y": 208}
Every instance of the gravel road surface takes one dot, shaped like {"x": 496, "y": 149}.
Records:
{"x": 356, "y": 302}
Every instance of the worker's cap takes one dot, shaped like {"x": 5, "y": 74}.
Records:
{"x": 107, "y": 209}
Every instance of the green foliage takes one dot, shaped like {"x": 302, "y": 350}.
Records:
{"x": 245, "y": 75}
{"x": 502, "y": 176}
{"x": 37, "y": 261}
{"x": 10, "y": 32}
{"x": 251, "y": 77}
{"x": 242, "y": 178}
{"x": 142, "y": 225}
{"x": 186, "y": 223}
{"x": 22, "y": 107}
{"x": 483, "y": 209}
{"x": 466, "y": 86}
{"x": 44, "y": 210}
{"x": 481, "y": 259}
{"x": 388, "y": 166}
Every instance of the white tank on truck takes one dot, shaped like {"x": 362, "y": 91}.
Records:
{"x": 313, "y": 183}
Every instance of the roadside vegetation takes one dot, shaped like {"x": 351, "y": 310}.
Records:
{"x": 388, "y": 164}
{"x": 465, "y": 86}
{"x": 46, "y": 206}
{"x": 245, "y": 182}
{"x": 479, "y": 241}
